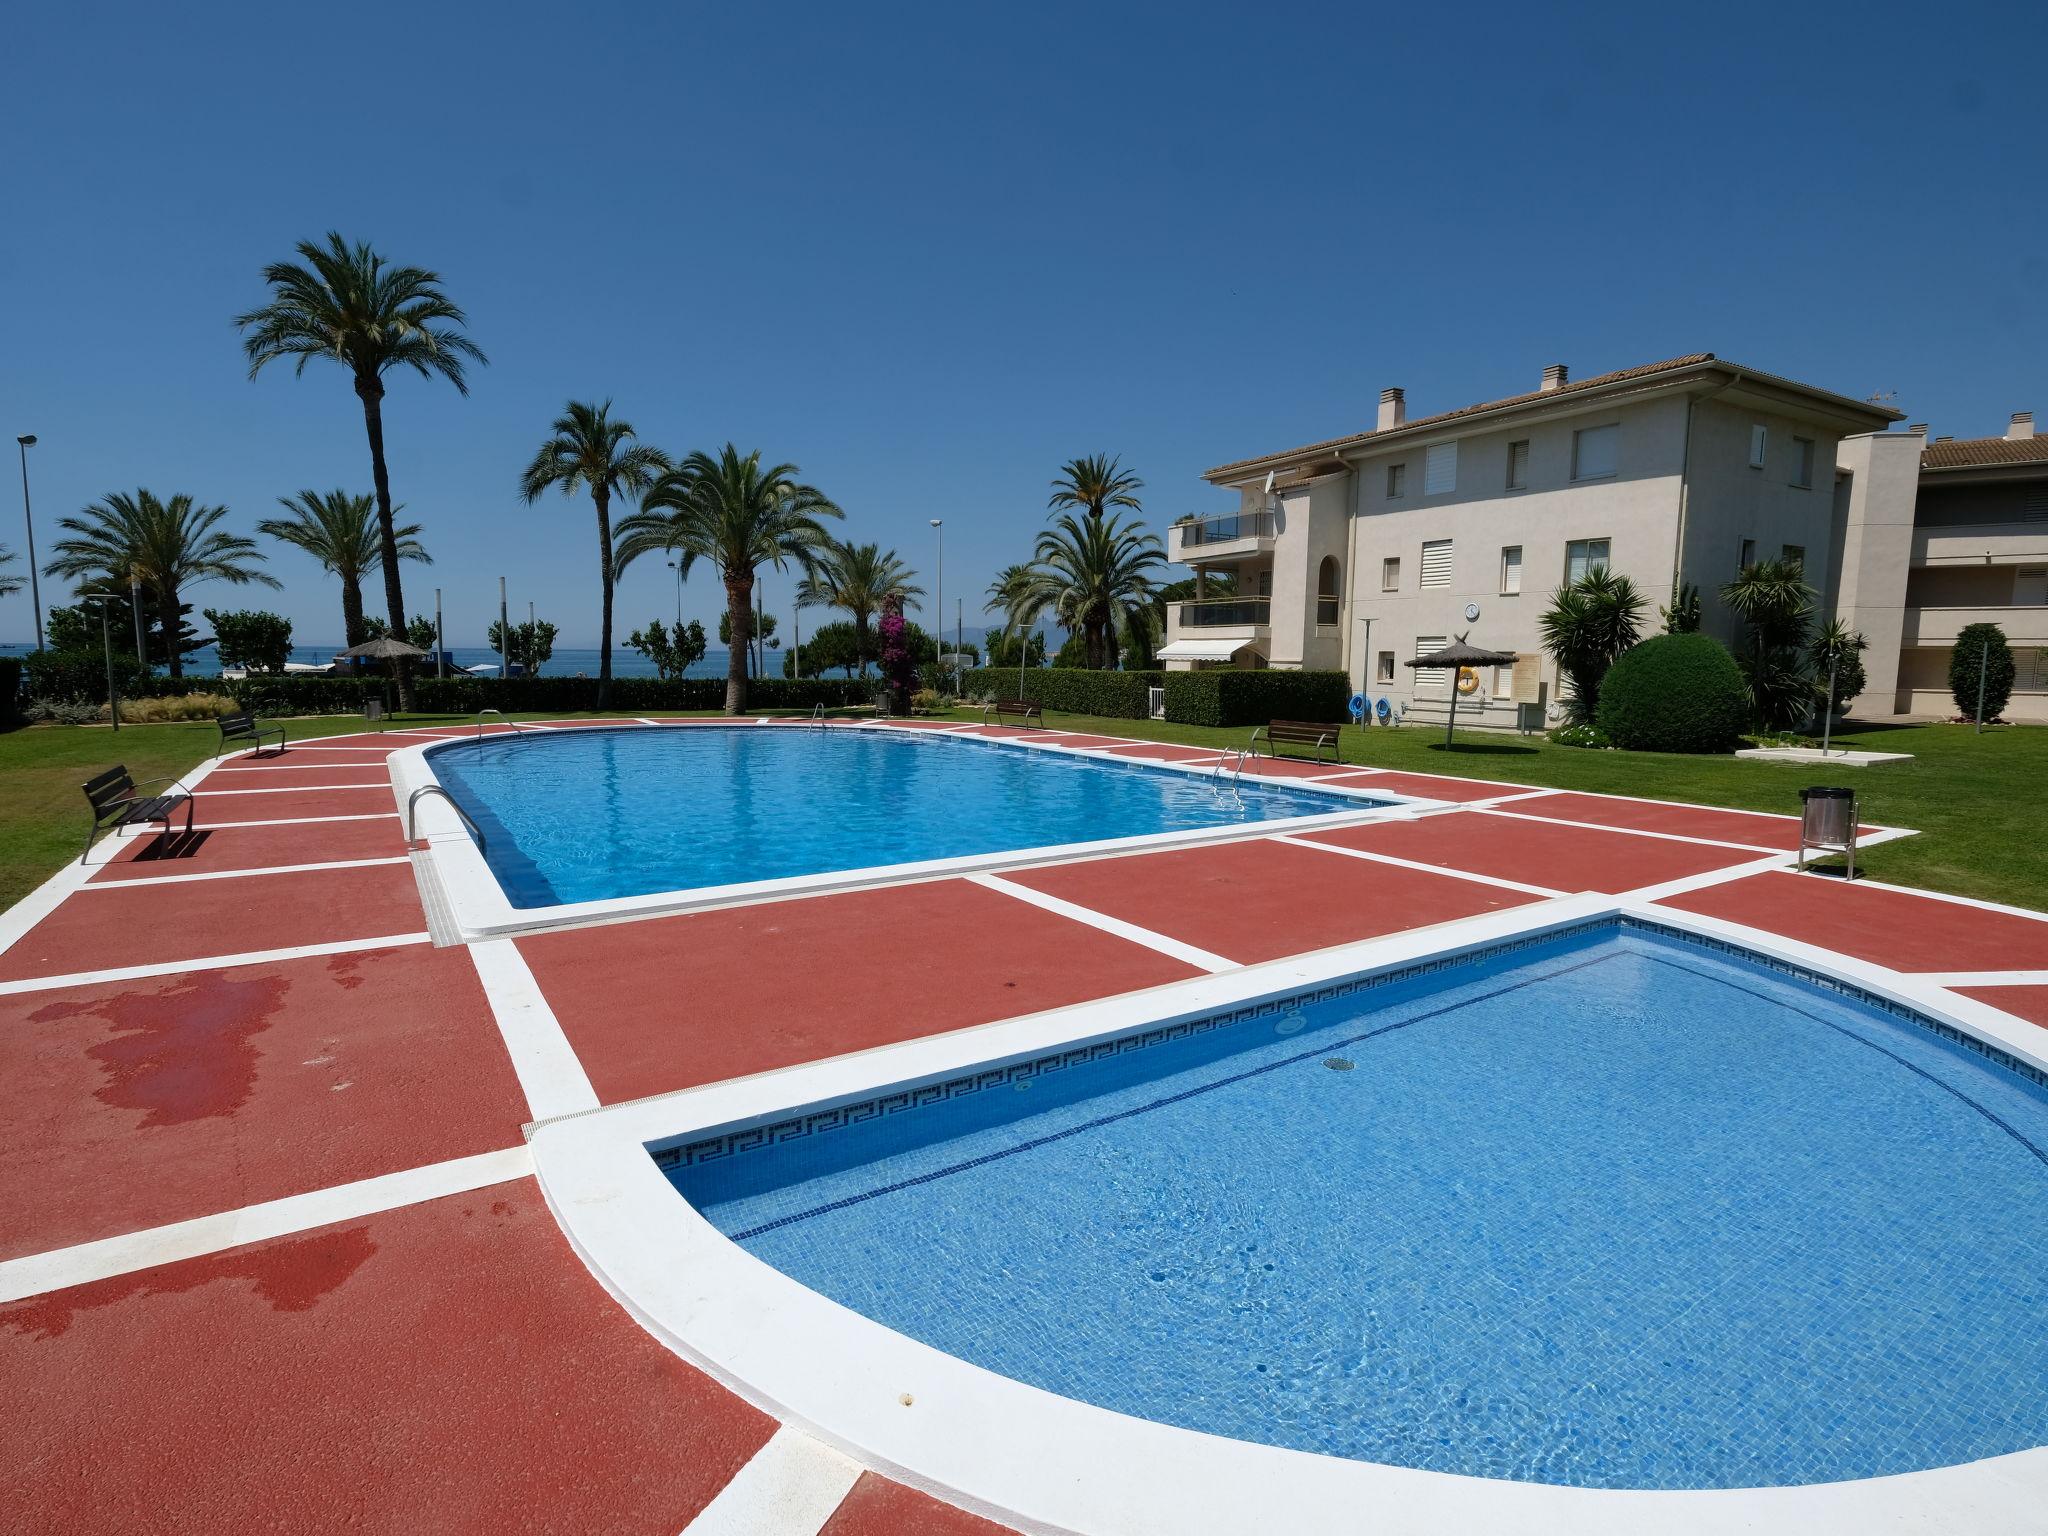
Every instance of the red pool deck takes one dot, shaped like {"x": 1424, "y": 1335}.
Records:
{"x": 271, "y": 1252}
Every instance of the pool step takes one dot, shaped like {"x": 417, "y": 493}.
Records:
{"x": 441, "y": 924}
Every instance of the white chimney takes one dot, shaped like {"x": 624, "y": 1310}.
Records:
{"x": 2022, "y": 427}
{"x": 1393, "y": 409}
{"x": 1556, "y": 376}
{"x": 1916, "y": 429}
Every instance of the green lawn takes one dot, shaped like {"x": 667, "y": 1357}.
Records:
{"x": 1974, "y": 798}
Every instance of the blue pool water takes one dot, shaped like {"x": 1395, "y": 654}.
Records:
{"x": 1613, "y": 1210}
{"x": 586, "y": 815}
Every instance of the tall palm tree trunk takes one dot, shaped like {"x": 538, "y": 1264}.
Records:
{"x": 371, "y": 391}
{"x": 351, "y": 614}
{"x": 167, "y": 621}
{"x": 860, "y": 638}
{"x": 739, "y": 620}
{"x": 604, "y": 565}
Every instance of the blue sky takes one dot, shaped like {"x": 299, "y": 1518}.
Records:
{"x": 928, "y": 253}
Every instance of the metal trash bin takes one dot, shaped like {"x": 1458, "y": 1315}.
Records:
{"x": 1827, "y": 823}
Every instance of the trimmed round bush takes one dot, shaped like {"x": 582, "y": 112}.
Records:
{"x": 1674, "y": 693}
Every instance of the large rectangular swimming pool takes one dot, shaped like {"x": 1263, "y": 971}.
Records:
{"x": 588, "y": 815}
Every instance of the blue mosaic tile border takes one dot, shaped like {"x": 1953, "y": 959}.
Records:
{"x": 753, "y": 1138}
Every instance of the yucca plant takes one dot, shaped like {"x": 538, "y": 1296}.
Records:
{"x": 343, "y": 303}
{"x": 1775, "y": 604}
{"x": 1589, "y": 624}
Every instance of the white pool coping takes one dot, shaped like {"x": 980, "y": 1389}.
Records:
{"x": 1045, "y": 1463}
{"x": 480, "y": 909}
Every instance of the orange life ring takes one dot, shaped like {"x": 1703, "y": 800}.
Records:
{"x": 1468, "y": 681}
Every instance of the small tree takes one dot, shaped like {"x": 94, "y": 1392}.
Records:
{"x": 829, "y": 646}
{"x": 671, "y": 652}
{"x": 1073, "y": 651}
{"x": 251, "y": 638}
{"x": 1002, "y": 649}
{"x": 419, "y": 630}
{"x": 1682, "y": 616}
{"x": 1981, "y": 661}
{"x": 1590, "y": 623}
{"x": 1838, "y": 649}
{"x": 527, "y": 645}
{"x": 899, "y": 667}
{"x": 78, "y": 629}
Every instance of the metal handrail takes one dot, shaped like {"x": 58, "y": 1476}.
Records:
{"x": 1203, "y": 612}
{"x": 818, "y": 714}
{"x": 412, "y": 815}
{"x": 1226, "y": 526}
{"x": 478, "y": 722}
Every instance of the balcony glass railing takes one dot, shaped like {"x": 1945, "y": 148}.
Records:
{"x": 1216, "y": 612}
{"x": 1222, "y": 530}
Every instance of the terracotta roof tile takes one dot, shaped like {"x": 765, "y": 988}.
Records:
{"x": 1968, "y": 452}
{"x": 1577, "y": 386}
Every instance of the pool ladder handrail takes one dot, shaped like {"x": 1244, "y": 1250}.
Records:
{"x": 818, "y": 716}
{"x": 412, "y": 814}
{"x": 478, "y": 722}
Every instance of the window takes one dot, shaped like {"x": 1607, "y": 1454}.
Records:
{"x": 1440, "y": 470}
{"x": 1436, "y": 563}
{"x": 1795, "y": 554}
{"x": 1759, "y": 440}
{"x": 1511, "y": 570}
{"x": 1747, "y": 557}
{"x": 1390, "y": 575}
{"x": 1802, "y": 462}
{"x": 1594, "y": 452}
{"x": 1383, "y": 670}
{"x": 1266, "y": 582}
{"x": 1518, "y": 465}
{"x": 1326, "y": 591}
{"x": 1431, "y": 680}
{"x": 1581, "y": 555}
{"x": 1504, "y": 682}
{"x": 1397, "y": 481}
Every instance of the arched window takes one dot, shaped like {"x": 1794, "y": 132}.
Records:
{"x": 1326, "y": 591}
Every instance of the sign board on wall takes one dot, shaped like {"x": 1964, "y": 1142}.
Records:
{"x": 1527, "y": 686}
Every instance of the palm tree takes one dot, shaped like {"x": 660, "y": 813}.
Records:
{"x": 341, "y": 532}
{"x": 1775, "y": 604}
{"x": 1095, "y": 482}
{"x": 344, "y": 303}
{"x": 1590, "y": 623}
{"x": 590, "y": 449}
{"x": 169, "y": 545}
{"x": 1092, "y": 574}
{"x": 738, "y": 516}
{"x": 9, "y": 585}
{"x": 855, "y": 578}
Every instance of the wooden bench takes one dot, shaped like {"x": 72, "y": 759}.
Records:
{"x": 243, "y": 727}
{"x": 1024, "y": 710}
{"x": 1297, "y": 733}
{"x": 116, "y": 803}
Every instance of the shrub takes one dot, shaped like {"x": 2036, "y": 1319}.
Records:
{"x": 1226, "y": 696}
{"x": 80, "y": 674}
{"x": 66, "y": 711}
{"x": 189, "y": 706}
{"x": 1674, "y": 693}
{"x": 1580, "y": 736}
{"x": 246, "y": 637}
{"x": 1076, "y": 690}
{"x": 1981, "y": 652}
{"x": 925, "y": 701}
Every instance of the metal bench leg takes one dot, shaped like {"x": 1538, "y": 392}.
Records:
{"x": 93, "y": 833}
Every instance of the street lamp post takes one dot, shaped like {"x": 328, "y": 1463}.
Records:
{"x": 677, "y": 567}
{"x": 104, "y": 599}
{"x": 440, "y": 640}
{"x": 939, "y": 594}
{"x": 504, "y": 635}
{"x": 135, "y": 607}
{"x": 27, "y": 441}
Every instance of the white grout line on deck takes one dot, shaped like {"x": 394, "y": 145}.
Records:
{"x": 1669, "y": 837}
{"x": 296, "y": 789}
{"x": 1416, "y": 864}
{"x": 208, "y": 963}
{"x": 293, "y": 821}
{"x": 1711, "y": 877}
{"x": 107, "y": 1257}
{"x": 790, "y": 1487}
{"x": 1188, "y": 954}
{"x": 549, "y": 1072}
{"x": 189, "y": 876}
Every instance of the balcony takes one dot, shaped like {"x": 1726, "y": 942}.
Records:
{"x": 1228, "y": 537}
{"x": 1208, "y": 613}
{"x": 2023, "y": 626}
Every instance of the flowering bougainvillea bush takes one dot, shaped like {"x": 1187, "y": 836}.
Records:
{"x": 899, "y": 671}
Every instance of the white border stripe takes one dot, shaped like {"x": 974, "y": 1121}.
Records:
{"x": 549, "y": 1072}
{"x": 208, "y": 963}
{"x": 290, "y": 821}
{"x": 111, "y": 1256}
{"x": 1427, "y": 869}
{"x": 298, "y": 789}
{"x": 189, "y": 876}
{"x": 1984, "y": 978}
{"x": 790, "y": 1488}
{"x": 1188, "y": 953}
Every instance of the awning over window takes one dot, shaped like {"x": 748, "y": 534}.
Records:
{"x": 1200, "y": 650}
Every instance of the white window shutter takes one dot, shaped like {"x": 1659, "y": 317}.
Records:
{"x": 1436, "y": 563}
{"x": 1440, "y": 470}
{"x": 1431, "y": 680}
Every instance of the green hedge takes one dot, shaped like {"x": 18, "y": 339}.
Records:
{"x": 1674, "y": 693}
{"x": 1231, "y": 697}
{"x": 1115, "y": 695}
{"x": 565, "y": 695}
{"x": 81, "y": 675}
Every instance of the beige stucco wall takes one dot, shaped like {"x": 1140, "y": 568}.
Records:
{"x": 1872, "y": 543}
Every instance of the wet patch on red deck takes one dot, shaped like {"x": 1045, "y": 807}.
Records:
{"x": 2023, "y": 1002}
{"x": 134, "y": 923}
{"x": 1755, "y": 829}
{"x": 1260, "y": 900}
{"x": 135, "y": 1104}
{"x": 223, "y": 848}
{"x": 1557, "y": 857}
{"x": 446, "y": 1366}
{"x": 677, "y": 1001}
{"x": 878, "y": 1507}
{"x": 1887, "y": 927}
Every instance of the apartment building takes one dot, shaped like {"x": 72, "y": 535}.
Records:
{"x": 1365, "y": 551}
{"x": 1931, "y": 537}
